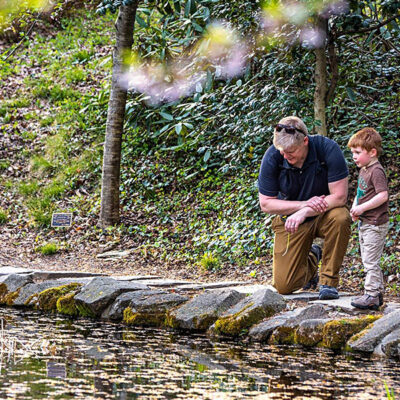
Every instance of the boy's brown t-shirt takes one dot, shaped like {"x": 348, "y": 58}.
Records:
{"x": 371, "y": 181}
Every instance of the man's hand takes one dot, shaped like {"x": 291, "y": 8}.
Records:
{"x": 295, "y": 220}
{"x": 317, "y": 204}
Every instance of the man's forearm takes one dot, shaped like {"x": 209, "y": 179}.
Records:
{"x": 281, "y": 207}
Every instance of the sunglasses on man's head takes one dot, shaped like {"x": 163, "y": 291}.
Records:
{"x": 291, "y": 130}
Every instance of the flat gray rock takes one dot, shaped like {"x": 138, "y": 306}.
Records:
{"x": 115, "y": 310}
{"x": 390, "y": 344}
{"x": 15, "y": 281}
{"x": 150, "y": 309}
{"x": 390, "y": 307}
{"x": 371, "y": 337}
{"x": 251, "y": 289}
{"x": 35, "y": 288}
{"x": 97, "y": 294}
{"x": 39, "y": 276}
{"x": 289, "y": 319}
{"x": 134, "y": 277}
{"x": 211, "y": 286}
{"x": 165, "y": 283}
{"x": 343, "y": 304}
{"x": 303, "y": 296}
{"x": 203, "y": 310}
{"x": 248, "y": 312}
{"x": 14, "y": 270}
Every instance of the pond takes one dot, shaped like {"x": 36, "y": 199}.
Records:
{"x": 53, "y": 357}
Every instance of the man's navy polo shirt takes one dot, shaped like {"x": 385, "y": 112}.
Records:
{"x": 324, "y": 164}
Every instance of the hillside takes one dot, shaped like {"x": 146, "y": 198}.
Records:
{"x": 189, "y": 200}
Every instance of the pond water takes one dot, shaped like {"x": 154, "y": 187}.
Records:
{"x": 52, "y": 357}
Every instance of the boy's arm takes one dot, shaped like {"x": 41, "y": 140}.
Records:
{"x": 375, "y": 202}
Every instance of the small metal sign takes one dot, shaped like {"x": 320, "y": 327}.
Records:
{"x": 61, "y": 219}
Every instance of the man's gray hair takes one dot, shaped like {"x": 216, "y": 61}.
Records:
{"x": 283, "y": 140}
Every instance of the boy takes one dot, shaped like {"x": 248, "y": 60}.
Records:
{"x": 370, "y": 207}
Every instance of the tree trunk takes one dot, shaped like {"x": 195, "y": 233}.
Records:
{"x": 320, "y": 82}
{"x": 109, "y": 214}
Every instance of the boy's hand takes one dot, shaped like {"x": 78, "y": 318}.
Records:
{"x": 355, "y": 212}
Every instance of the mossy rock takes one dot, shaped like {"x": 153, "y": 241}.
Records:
{"x": 143, "y": 319}
{"x": 66, "y": 305}
{"x": 10, "y": 297}
{"x": 310, "y": 332}
{"x": 336, "y": 333}
{"x": 237, "y": 324}
{"x": 84, "y": 311}
{"x": 3, "y": 292}
{"x": 283, "y": 335}
{"x": 47, "y": 300}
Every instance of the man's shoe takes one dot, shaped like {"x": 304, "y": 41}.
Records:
{"x": 317, "y": 251}
{"x": 380, "y": 297}
{"x": 313, "y": 282}
{"x": 328, "y": 293}
{"x": 366, "y": 302}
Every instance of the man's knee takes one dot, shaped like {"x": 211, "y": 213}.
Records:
{"x": 339, "y": 216}
{"x": 283, "y": 287}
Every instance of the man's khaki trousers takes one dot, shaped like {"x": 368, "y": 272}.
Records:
{"x": 294, "y": 265}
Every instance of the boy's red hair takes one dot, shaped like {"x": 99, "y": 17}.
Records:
{"x": 367, "y": 139}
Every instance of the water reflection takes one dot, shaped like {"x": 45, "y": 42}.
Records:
{"x": 61, "y": 358}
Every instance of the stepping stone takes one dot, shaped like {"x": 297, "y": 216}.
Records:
{"x": 303, "y": 296}
{"x": 203, "y": 310}
{"x": 14, "y": 270}
{"x": 135, "y": 277}
{"x": 251, "y": 289}
{"x": 211, "y": 286}
{"x": 40, "y": 276}
{"x": 378, "y": 331}
{"x": 114, "y": 254}
{"x": 100, "y": 292}
{"x": 342, "y": 303}
{"x": 165, "y": 283}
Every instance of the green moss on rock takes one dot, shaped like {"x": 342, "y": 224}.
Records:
{"x": 9, "y": 298}
{"x": 336, "y": 333}
{"x": 85, "y": 311}
{"x": 143, "y": 319}
{"x": 3, "y": 292}
{"x": 47, "y": 299}
{"x": 283, "y": 335}
{"x": 66, "y": 305}
{"x": 237, "y": 324}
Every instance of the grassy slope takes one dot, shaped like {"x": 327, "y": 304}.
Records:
{"x": 53, "y": 116}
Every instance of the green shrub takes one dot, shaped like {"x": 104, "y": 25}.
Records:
{"x": 3, "y": 216}
{"x": 28, "y": 189}
{"x": 47, "y": 249}
{"x": 209, "y": 262}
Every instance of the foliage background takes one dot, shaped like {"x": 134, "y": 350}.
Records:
{"x": 189, "y": 169}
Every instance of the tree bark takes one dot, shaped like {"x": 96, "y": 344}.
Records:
{"x": 109, "y": 214}
{"x": 320, "y": 82}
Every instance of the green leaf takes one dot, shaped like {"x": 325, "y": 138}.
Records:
{"x": 207, "y": 155}
{"x": 178, "y": 128}
{"x": 141, "y": 22}
{"x": 166, "y": 116}
{"x": 190, "y": 8}
{"x": 351, "y": 94}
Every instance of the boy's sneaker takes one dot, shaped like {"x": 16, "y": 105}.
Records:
{"x": 328, "y": 293}
{"x": 313, "y": 282}
{"x": 367, "y": 302}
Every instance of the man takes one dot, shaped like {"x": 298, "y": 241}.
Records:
{"x": 304, "y": 180}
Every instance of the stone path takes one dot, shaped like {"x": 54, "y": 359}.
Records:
{"x": 231, "y": 308}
